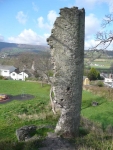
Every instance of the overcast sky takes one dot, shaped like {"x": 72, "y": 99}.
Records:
{"x": 31, "y": 21}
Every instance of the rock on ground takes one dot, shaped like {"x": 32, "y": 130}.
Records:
{"x": 25, "y": 132}
{"x": 53, "y": 142}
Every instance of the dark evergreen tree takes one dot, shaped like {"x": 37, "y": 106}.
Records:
{"x": 93, "y": 74}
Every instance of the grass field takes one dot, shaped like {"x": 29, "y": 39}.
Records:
{"x": 37, "y": 111}
{"x": 18, "y": 113}
{"x": 103, "y": 113}
{"x": 101, "y": 63}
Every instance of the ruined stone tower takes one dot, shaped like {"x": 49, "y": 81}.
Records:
{"x": 67, "y": 54}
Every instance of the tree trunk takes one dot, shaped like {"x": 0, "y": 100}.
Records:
{"x": 67, "y": 54}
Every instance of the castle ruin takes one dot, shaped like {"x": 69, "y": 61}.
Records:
{"x": 67, "y": 55}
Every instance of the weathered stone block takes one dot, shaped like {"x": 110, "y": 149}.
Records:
{"x": 67, "y": 52}
{"x": 25, "y": 132}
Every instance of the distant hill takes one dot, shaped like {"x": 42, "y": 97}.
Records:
{"x": 109, "y": 53}
{"x": 6, "y": 45}
{"x": 100, "y": 53}
{"x": 14, "y": 48}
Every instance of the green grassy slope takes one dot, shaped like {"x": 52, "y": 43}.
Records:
{"x": 37, "y": 111}
{"x": 103, "y": 113}
{"x": 18, "y": 113}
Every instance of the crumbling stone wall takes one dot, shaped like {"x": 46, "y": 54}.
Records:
{"x": 67, "y": 54}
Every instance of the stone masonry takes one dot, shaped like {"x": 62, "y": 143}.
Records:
{"x": 67, "y": 56}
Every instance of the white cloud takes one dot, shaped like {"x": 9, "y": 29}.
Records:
{"x": 41, "y": 23}
{"x": 1, "y": 38}
{"x": 28, "y": 37}
{"x": 90, "y": 43}
{"x": 89, "y": 4}
{"x": 92, "y": 24}
{"x": 51, "y": 17}
{"x": 21, "y": 17}
{"x": 35, "y": 8}
{"x": 46, "y": 35}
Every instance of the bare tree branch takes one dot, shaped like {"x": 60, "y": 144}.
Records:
{"x": 103, "y": 38}
{"x": 107, "y": 20}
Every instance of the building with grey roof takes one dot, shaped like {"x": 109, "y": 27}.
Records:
{"x": 6, "y": 70}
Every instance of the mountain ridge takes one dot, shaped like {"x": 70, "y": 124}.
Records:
{"x": 5, "y": 47}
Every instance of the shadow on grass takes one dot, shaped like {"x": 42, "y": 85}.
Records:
{"x": 18, "y": 97}
{"x": 88, "y": 103}
{"x": 11, "y": 145}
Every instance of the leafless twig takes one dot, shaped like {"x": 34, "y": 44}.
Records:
{"x": 107, "y": 20}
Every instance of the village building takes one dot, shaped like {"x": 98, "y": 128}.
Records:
{"x": 108, "y": 80}
{"x": 86, "y": 81}
{"x": 11, "y": 72}
{"x": 19, "y": 76}
{"x": 6, "y": 70}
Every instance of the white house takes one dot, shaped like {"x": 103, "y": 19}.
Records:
{"x": 6, "y": 70}
{"x": 11, "y": 72}
{"x": 19, "y": 76}
{"x": 108, "y": 80}
{"x": 14, "y": 75}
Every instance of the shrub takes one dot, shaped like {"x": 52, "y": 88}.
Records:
{"x": 93, "y": 74}
{"x": 1, "y": 77}
{"x": 100, "y": 84}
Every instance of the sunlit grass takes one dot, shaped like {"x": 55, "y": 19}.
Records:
{"x": 37, "y": 111}
{"x": 18, "y": 113}
{"x": 102, "y": 113}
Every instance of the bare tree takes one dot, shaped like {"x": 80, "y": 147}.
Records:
{"x": 43, "y": 67}
{"x": 104, "y": 39}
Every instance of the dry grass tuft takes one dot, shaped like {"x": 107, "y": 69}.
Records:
{"x": 105, "y": 92}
